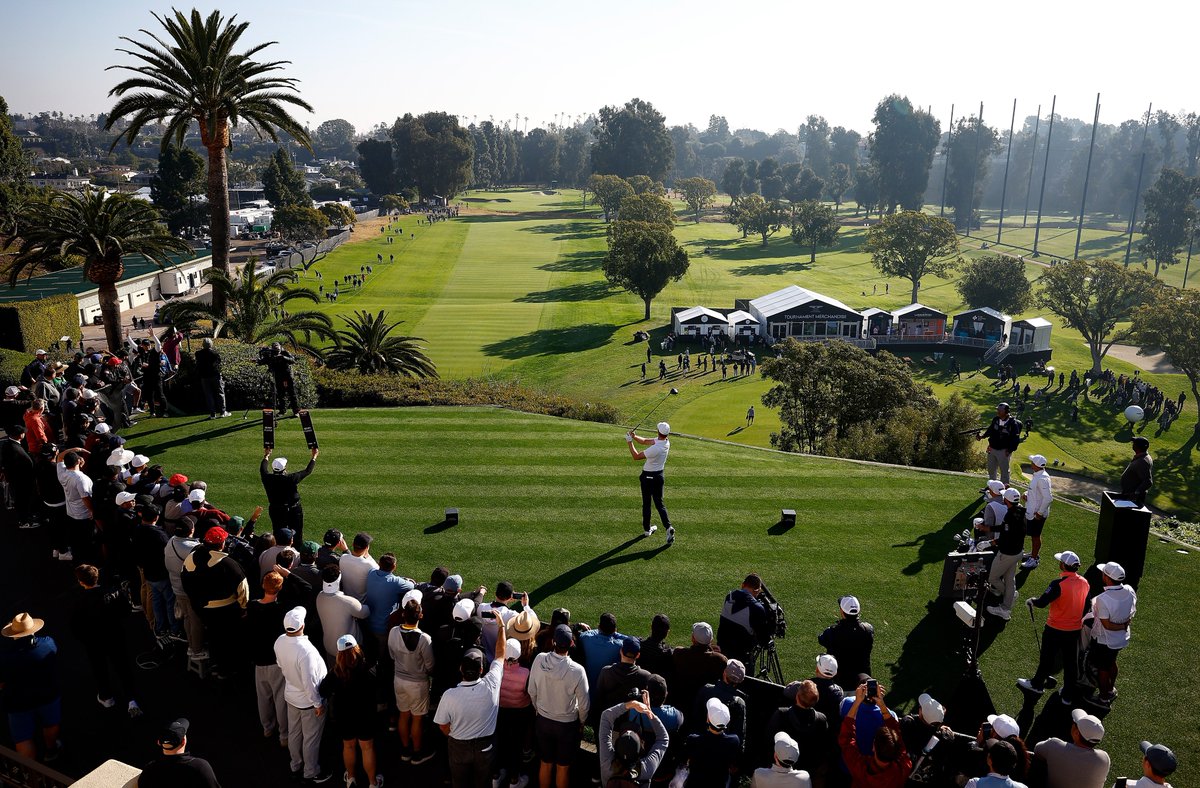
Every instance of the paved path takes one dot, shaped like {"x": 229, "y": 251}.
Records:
{"x": 1145, "y": 359}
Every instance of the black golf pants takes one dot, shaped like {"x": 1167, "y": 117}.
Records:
{"x": 652, "y": 489}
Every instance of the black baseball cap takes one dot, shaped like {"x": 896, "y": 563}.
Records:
{"x": 332, "y": 537}
{"x": 173, "y": 735}
{"x": 1161, "y": 759}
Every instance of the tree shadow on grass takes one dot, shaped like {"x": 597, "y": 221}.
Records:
{"x": 933, "y": 546}
{"x": 553, "y": 341}
{"x": 608, "y": 558}
{"x": 565, "y": 231}
{"x": 583, "y": 291}
{"x": 575, "y": 262}
{"x": 772, "y": 269}
{"x": 158, "y": 448}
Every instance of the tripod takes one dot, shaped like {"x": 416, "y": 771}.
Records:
{"x": 769, "y": 668}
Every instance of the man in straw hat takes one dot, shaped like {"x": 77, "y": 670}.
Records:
{"x": 29, "y": 676}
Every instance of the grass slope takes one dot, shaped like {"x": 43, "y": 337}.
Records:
{"x": 515, "y": 289}
{"x": 553, "y": 506}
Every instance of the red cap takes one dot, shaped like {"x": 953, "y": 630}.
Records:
{"x": 177, "y": 479}
{"x": 216, "y": 536}
{"x": 113, "y": 361}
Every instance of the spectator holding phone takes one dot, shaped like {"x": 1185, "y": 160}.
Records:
{"x": 885, "y": 764}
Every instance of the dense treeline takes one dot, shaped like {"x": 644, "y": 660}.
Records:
{"x": 900, "y": 162}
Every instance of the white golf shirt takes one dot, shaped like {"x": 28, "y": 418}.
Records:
{"x": 302, "y": 668}
{"x": 656, "y": 455}
{"x": 1037, "y": 500}
{"x": 76, "y": 486}
{"x": 1118, "y": 604}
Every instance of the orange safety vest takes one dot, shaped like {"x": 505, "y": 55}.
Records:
{"x": 1066, "y": 612}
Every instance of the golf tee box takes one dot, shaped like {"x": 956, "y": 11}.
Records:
{"x": 452, "y": 516}
{"x": 310, "y": 435}
{"x": 268, "y": 418}
{"x": 787, "y": 517}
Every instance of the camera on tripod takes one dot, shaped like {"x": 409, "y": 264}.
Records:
{"x": 775, "y": 616}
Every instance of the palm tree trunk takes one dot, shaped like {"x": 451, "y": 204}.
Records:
{"x": 218, "y": 204}
{"x": 110, "y": 314}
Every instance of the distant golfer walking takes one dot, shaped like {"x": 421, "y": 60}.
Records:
{"x": 750, "y": 416}
{"x": 655, "y": 456}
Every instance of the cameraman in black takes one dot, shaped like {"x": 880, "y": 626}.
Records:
{"x": 279, "y": 362}
{"x": 745, "y": 622}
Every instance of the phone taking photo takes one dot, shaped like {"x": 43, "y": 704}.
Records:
{"x": 872, "y": 689}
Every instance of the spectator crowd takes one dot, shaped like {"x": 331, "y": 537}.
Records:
{"x": 462, "y": 678}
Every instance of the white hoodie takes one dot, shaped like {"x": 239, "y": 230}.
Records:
{"x": 558, "y": 687}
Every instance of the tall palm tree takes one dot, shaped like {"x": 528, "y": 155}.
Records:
{"x": 256, "y": 311}
{"x": 193, "y": 74}
{"x": 367, "y": 344}
{"x": 100, "y": 229}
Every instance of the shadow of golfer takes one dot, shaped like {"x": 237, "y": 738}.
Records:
{"x": 611, "y": 557}
{"x": 933, "y": 547}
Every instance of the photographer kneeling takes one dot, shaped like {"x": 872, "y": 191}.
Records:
{"x": 745, "y": 622}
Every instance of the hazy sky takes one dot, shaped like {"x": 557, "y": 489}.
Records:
{"x": 763, "y": 65}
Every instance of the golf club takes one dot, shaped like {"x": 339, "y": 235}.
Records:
{"x": 656, "y": 407}
{"x": 1033, "y": 621}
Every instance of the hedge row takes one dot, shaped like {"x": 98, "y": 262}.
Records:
{"x": 29, "y": 325}
{"x": 247, "y": 384}
{"x": 352, "y": 390}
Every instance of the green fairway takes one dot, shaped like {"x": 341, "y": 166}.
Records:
{"x": 514, "y": 288}
{"x": 553, "y": 506}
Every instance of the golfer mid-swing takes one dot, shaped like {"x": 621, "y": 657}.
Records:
{"x": 652, "y": 481}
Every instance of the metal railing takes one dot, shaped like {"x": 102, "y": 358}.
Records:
{"x": 19, "y": 772}
{"x": 932, "y": 339}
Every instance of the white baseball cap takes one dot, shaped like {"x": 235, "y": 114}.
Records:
{"x": 293, "y": 620}
{"x": 196, "y": 496}
{"x": 512, "y": 649}
{"x": 1038, "y": 460}
{"x": 827, "y": 665}
{"x": 125, "y": 497}
{"x": 978, "y": 521}
{"x": 1090, "y": 728}
{"x": 1067, "y": 558}
{"x": 995, "y": 486}
{"x": 102, "y": 428}
{"x": 1113, "y": 570}
{"x": 139, "y": 460}
{"x": 718, "y": 713}
{"x": 411, "y": 595}
{"x": 39, "y": 352}
{"x": 346, "y": 642}
{"x": 849, "y": 605}
{"x": 786, "y": 749}
{"x": 1003, "y": 725}
{"x": 88, "y": 394}
{"x": 1012, "y": 494}
{"x": 664, "y": 428}
{"x": 279, "y": 463}
{"x": 463, "y": 609}
{"x": 11, "y": 392}
{"x": 931, "y": 710}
